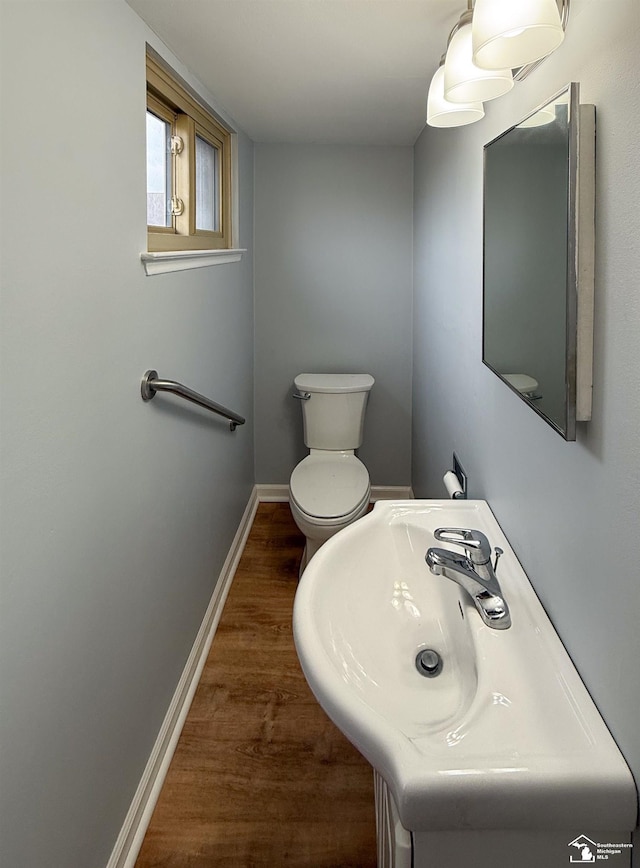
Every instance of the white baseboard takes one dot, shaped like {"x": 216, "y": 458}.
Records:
{"x": 273, "y": 493}
{"x": 127, "y": 847}
{"x": 391, "y": 492}
{"x": 280, "y": 493}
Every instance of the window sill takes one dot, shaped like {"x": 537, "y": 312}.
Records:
{"x": 181, "y": 260}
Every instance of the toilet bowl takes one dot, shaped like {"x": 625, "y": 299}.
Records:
{"x": 327, "y": 491}
{"x": 330, "y": 488}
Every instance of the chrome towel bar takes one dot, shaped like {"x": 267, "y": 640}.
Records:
{"x": 151, "y": 384}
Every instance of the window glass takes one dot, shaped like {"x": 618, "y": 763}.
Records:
{"x": 158, "y": 171}
{"x": 207, "y": 210}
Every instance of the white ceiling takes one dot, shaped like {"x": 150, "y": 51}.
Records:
{"x": 352, "y": 71}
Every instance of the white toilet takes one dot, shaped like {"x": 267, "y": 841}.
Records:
{"x": 330, "y": 488}
{"x": 523, "y": 383}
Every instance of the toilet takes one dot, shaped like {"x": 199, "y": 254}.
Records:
{"x": 330, "y": 488}
{"x": 523, "y": 383}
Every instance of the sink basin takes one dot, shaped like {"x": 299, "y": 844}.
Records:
{"x": 506, "y": 736}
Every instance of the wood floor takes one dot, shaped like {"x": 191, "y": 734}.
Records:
{"x": 261, "y": 777}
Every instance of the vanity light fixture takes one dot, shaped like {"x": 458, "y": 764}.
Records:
{"x": 443, "y": 113}
{"x": 494, "y": 43}
{"x": 463, "y": 80}
{"x": 514, "y": 34}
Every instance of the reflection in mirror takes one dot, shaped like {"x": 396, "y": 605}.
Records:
{"x": 531, "y": 308}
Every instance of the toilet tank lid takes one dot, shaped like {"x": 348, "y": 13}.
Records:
{"x": 334, "y": 382}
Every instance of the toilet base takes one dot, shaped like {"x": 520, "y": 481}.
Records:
{"x": 317, "y": 535}
{"x": 310, "y": 548}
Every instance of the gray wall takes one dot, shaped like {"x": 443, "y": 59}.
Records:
{"x": 570, "y": 510}
{"x": 333, "y": 230}
{"x": 116, "y": 515}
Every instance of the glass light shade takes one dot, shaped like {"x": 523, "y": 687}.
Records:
{"x": 442, "y": 113}
{"x": 510, "y": 33}
{"x": 546, "y": 115}
{"x": 466, "y": 82}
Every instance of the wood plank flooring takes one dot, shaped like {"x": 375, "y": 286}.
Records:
{"x": 261, "y": 777}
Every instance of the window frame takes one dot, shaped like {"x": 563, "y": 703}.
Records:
{"x": 168, "y": 99}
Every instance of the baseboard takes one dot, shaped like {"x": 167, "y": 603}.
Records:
{"x": 280, "y": 493}
{"x": 273, "y": 493}
{"x": 127, "y": 847}
{"x": 391, "y": 492}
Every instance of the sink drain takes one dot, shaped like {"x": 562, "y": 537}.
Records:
{"x": 428, "y": 663}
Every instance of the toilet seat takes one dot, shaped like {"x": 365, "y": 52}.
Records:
{"x": 328, "y": 486}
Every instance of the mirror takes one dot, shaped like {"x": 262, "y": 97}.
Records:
{"x": 539, "y": 196}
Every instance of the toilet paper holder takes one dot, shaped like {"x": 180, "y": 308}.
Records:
{"x": 458, "y": 492}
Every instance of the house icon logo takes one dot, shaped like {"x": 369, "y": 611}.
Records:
{"x": 585, "y": 850}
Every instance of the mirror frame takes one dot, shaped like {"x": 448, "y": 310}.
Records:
{"x": 579, "y": 290}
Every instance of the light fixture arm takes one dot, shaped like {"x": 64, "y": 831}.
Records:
{"x": 465, "y": 18}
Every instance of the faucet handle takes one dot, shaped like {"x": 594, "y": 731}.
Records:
{"x": 475, "y": 543}
{"x": 498, "y": 552}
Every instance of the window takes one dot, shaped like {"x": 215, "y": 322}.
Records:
{"x": 188, "y": 169}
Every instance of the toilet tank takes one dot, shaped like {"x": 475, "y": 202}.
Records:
{"x": 334, "y": 414}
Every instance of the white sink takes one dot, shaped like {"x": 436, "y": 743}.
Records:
{"x": 506, "y": 736}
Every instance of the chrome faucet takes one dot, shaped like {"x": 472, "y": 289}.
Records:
{"x": 473, "y": 571}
